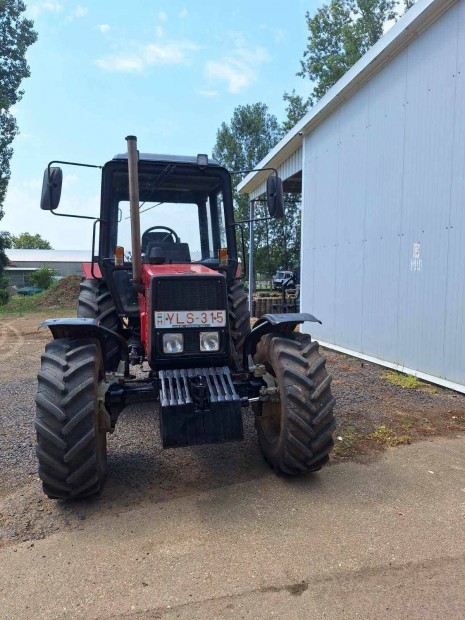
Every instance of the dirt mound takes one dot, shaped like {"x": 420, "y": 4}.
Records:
{"x": 63, "y": 293}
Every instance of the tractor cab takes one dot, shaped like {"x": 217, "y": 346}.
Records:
{"x": 186, "y": 221}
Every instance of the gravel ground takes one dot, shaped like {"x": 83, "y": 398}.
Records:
{"x": 371, "y": 414}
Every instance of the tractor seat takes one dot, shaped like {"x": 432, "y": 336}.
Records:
{"x": 155, "y": 236}
{"x": 167, "y": 252}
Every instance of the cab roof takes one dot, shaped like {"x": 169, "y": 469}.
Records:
{"x": 176, "y": 159}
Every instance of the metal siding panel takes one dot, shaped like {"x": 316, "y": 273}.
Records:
{"x": 307, "y": 231}
{"x": 426, "y": 196}
{"x": 454, "y": 336}
{"x": 386, "y": 120}
{"x": 321, "y": 172}
{"x": 350, "y": 222}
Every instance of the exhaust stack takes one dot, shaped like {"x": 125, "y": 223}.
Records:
{"x": 133, "y": 169}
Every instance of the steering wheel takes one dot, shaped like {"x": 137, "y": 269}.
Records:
{"x": 169, "y": 231}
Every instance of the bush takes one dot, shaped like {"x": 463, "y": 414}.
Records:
{"x": 42, "y": 277}
{"x": 4, "y": 290}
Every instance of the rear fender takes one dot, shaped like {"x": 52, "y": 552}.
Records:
{"x": 271, "y": 323}
{"x": 87, "y": 328}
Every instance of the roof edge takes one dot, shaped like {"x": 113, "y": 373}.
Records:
{"x": 409, "y": 27}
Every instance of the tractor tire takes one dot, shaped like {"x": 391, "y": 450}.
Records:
{"x": 239, "y": 321}
{"x": 95, "y": 302}
{"x": 295, "y": 432}
{"x": 71, "y": 450}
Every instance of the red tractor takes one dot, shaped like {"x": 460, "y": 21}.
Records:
{"x": 178, "y": 311}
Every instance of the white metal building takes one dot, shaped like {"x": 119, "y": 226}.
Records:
{"x": 64, "y": 262}
{"x": 380, "y": 161}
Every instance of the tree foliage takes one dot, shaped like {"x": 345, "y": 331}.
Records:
{"x": 16, "y": 35}
{"x": 240, "y": 145}
{"x": 340, "y": 32}
{"x": 26, "y": 241}
{"x": 42, "y": 277}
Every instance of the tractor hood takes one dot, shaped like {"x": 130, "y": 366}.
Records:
{"x": 185, "y": 269}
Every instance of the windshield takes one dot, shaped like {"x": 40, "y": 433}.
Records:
{"x": 178, "y": 206}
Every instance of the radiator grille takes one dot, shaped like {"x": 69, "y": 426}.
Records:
{"x": 203, "y": 293}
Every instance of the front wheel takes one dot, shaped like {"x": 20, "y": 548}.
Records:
{"x": 295, "y": 430}
{"x": 71, "y": 448}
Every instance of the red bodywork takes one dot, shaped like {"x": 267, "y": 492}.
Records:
{"x": 148, "y": 271}
{"x": 87, "y": 269}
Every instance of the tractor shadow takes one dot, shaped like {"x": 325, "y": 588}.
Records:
{"x": 141, "y": 472}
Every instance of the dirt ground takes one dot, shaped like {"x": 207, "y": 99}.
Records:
{"x": 371, "y": 412}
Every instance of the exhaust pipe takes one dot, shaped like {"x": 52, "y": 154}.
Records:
{"x": 133, "y": 169}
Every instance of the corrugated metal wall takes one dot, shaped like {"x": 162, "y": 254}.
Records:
{"x": 383, "y": 252}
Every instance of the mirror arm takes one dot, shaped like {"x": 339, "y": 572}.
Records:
{"x": 50, "y": 185}
{"x": 81, "y": 217}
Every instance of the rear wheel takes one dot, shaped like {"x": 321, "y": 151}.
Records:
{"x": 239, "y": 320}
{"x": 95, "y": 302}
{"x": 295, "y": 431}
{"x": 71, "y": 450}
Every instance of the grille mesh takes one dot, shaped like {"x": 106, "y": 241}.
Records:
{"x": 203, "y": 293}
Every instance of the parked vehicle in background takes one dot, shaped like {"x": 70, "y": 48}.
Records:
{"x": 282, "y": 276}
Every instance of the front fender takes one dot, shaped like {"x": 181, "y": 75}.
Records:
{"x": 87, "y": 328}
{"x": 269, "y": 323}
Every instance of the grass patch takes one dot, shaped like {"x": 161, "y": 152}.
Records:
{"x": 408, "y": 382}
{"x": 408, "y": 424}
{"x": 20, "y": 305}
{"x": 387, "y": 437}
{"x": 349, "y": 357}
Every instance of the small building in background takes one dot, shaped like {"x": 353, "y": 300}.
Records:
{"x": 24, "y": 262}
{"x": 380, "y": 163}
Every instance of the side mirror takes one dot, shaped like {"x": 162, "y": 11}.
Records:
{"x": 275, "y": 196}
{"x": 51, "y": 189}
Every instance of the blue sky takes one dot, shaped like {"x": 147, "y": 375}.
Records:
{"x": 169, "y": 72}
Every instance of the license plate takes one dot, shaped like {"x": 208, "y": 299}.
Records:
{"x": 195, "y": 318}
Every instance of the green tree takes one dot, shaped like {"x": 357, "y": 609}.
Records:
{"x": 42, "y": 277}
{"x": 296, "y": 109}
{"x": 340, "y": 32}
{"x": 26, "y": 241}
{"x": 16, "y": 35}
{"x": 240, "y": 145}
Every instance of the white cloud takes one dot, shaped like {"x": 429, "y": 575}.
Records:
{"x": 103, "y": 27}
{"x": 239, "y": 68}
{"x": 34, "y": 10}
{"x": 183, "y": 13}
{"x": 162, "y": 16}
{"x": 52, "y": 6}
{"x": 279, "y": 34}
{"x": 78, "y": 12}
{"x": 159, "y": 31}
{"x": 144, "y": 56}
{"x": 207, "y": 93}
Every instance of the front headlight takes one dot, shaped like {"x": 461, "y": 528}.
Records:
{"x": 173, "y": 343}
{"x": 209, "y": 341}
